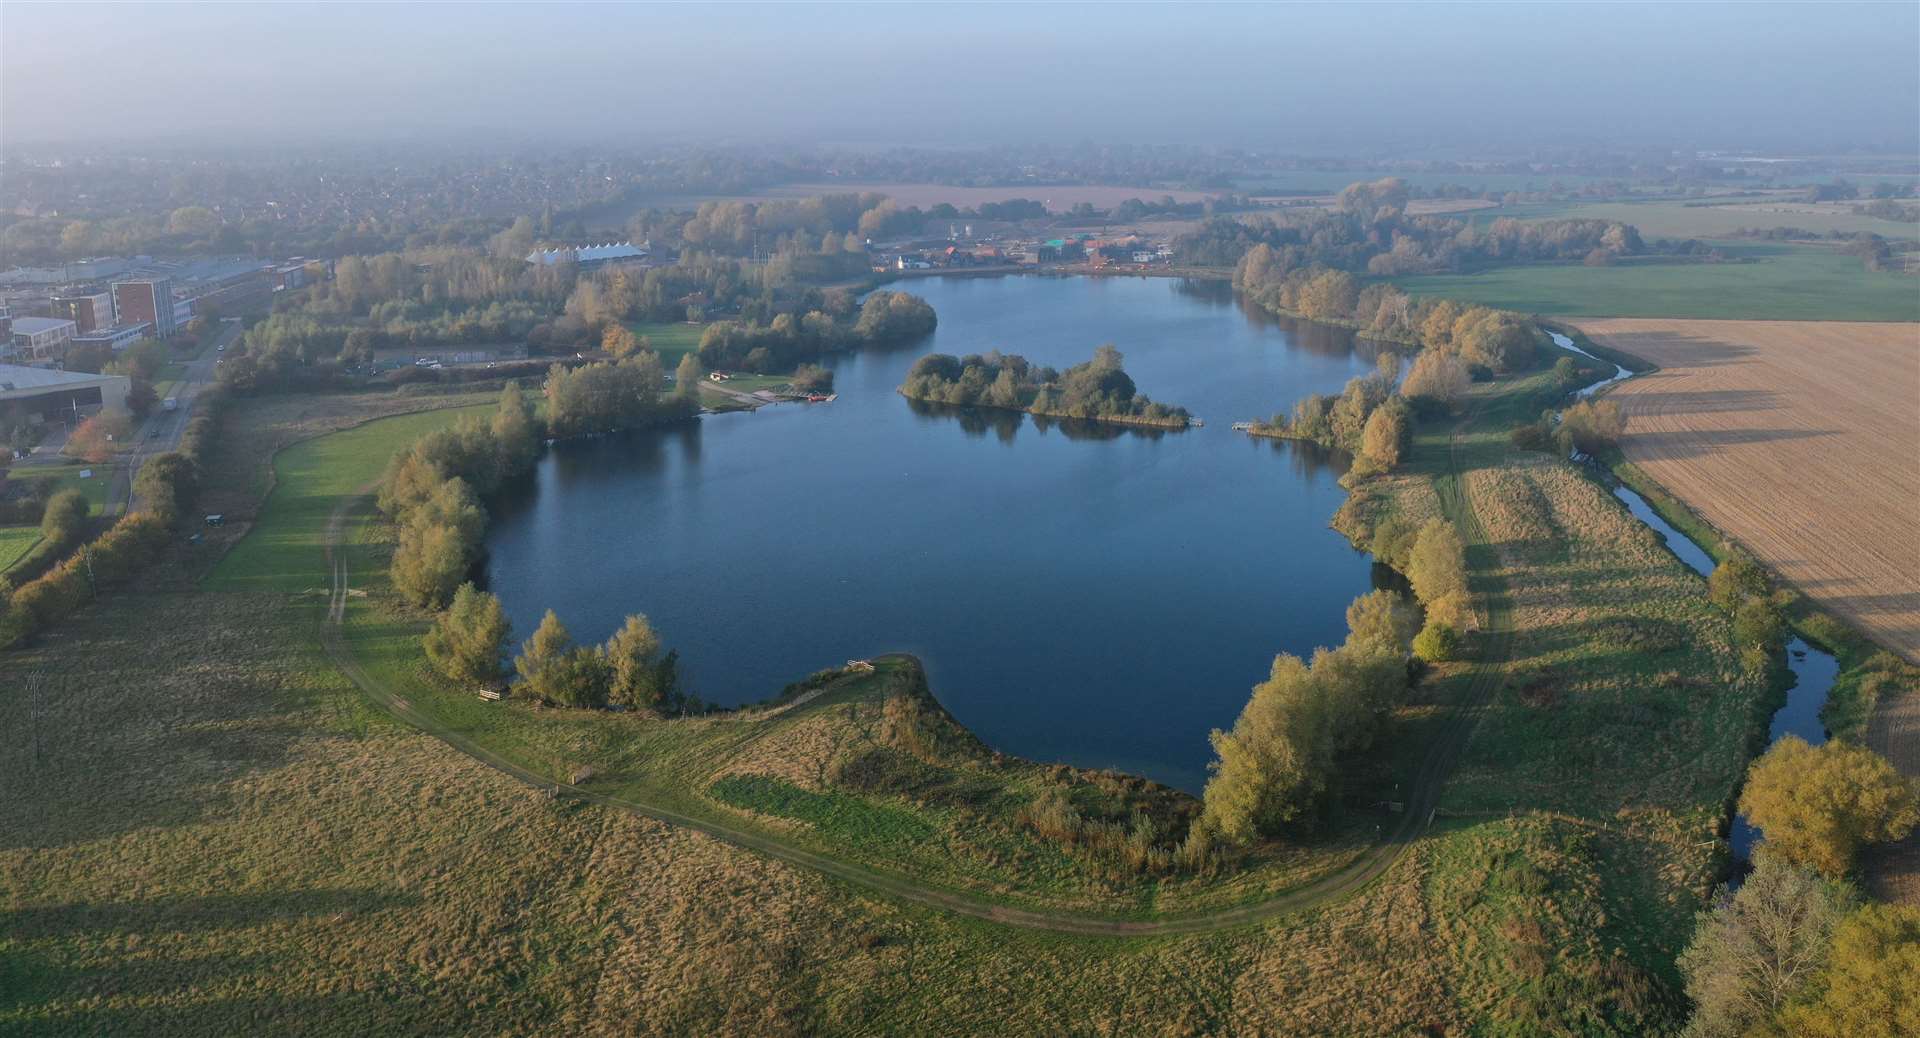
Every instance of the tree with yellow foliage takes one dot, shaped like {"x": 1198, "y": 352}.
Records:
{"x": 1816, "y": 805}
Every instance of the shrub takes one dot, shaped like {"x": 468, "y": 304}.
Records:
{"x": 1436, "y": 643}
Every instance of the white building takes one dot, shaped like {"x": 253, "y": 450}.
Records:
{"x": 588, "y": 255}
{"x": 40, "y": 340}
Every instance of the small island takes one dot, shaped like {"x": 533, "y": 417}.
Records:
{"x": 1098, "y": 390}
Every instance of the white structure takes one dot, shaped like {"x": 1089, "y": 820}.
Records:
{"x": 116, "y": 338}
{"x": 26, "y": 392}
{"x": 587, "y": 255}
{"x": 41, "y": 340}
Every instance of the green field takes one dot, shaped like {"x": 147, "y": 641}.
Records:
{"x": 66, "y": 476}
{"x": 1783, "y": 283}
{"x": 16, "y": 541}
{"x": 1675, "y": 219}
{"x": 671, "y": 339}
{"x": 283, "y": 551}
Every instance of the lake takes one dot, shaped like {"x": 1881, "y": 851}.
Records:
{"x": 1100, "y": 596}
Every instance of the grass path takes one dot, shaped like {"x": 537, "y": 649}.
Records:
{"x": 1368, "y": 866}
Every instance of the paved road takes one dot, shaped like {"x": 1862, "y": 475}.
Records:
{"x": 1422, "y": 799}
{"x": 162, "y": 429}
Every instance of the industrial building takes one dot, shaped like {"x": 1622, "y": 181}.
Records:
{"x": 589, "y": 256}
{"x": 116, "y": 338}
{"x": 40, "y": 340}
{"x": 148, "y": 301}
{"x": 89, "y": 310}
{"x": 29, "y": 393}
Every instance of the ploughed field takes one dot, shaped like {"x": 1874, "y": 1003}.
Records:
{"x": 1796, "y": 438}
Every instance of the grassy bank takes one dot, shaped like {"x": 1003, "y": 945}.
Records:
{"x": 1782, "y": 282}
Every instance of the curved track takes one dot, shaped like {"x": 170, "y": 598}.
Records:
{"x": 1342, "y": 882}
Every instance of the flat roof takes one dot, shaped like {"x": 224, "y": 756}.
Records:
{"x": 36, "y": 325}
{"x": 20, "y": 381}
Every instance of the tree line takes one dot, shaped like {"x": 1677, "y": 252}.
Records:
{"x": 883, "y": 319}
{"x": 1098, "y": 389}
{"x": 1370, "y": 232}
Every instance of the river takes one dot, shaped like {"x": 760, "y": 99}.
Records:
{"x": 1814, "y": 671}
{"x": 1093, "y": 595}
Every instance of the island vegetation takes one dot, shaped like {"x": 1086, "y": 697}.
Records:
{"x": 1097, "y": 390}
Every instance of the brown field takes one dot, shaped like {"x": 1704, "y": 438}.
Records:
{"x": 1797, "y": 439}
{"x": 1058, "y": 197}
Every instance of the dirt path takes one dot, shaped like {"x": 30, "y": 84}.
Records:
{"x": 1369, "y": 865}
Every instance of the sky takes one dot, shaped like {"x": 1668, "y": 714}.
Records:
{"x": 1348, "y": 78}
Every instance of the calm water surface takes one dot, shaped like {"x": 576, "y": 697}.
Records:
{"x": 1099, "y": 596}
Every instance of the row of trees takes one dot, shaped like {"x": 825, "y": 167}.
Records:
{"x": 1369, "y": 420}
{"x": 467, "y": 643}
{"x": 1099, "y": 389}
{"x": 1274, "y": 769}
{"x": 884, "y": 318}
{"x": 1794, "y": 950}
{"x": 1497, "y": 340}
{"x": 432, "y": 492}
{"x": 1370, "y": 232}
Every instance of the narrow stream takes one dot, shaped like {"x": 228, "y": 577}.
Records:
{"x": 1814, "y": 671}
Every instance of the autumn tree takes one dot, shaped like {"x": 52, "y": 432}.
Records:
{"x": 1871, "y": 986}
{"x": 166, "y": 483}
{"x": 1437, "y": 376}
{"x": 1736, "y": 580}
{"x": 687, "y": 375}
{"x": 1591, "y": 426}
{"x": 555, "y": 670}
{"x": 65, "y": 517}
{"x": 428, "y": 563}
{"x": 466, "y": 641}
{"x": 619, "y": 341}
{"x": 1379, "y": 623}
{"x": 1384, "y": 438}
{"x": 632, "y": 656}
{"x": 1816, "y": 805}
{"x": 1274, "y": 765}
{"x": 1759, "y": 948}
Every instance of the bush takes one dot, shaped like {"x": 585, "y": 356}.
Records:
{"x": 1436, "y": 643}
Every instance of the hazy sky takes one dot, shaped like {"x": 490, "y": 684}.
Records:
{"x": 1357, "y": 77}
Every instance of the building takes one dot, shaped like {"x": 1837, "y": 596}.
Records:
{"x": 116, "y": 338}
{"x": 589, "y": 256}
{"x": 39, "y": 393}
{"x": 150, "y": 301}
{"x": 88, "y": 311}
{"x": 41, "y": 340}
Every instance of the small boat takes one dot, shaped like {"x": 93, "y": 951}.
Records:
{"x": 1243, "y": 426}
{"x": 1195, "y": 422}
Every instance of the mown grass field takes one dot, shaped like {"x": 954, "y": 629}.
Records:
{"x": 1720, "y": 218}
{"x": 66, "y": 476}
{"x": 283, "y": 551}
{"x": 1784, "y": 283}
{"x": 16, "y": 541}
{"x": 671, "y": 339}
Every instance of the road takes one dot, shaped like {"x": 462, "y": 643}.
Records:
{"x": 162, "y": 429}
{"x": 1422, "y": 800}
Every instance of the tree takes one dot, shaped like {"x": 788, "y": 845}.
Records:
{"x": 516, "y": 437}
{"x": 1437, "y": 566}
{"x": 1437, "y": 642}
{"x": 554, "y": 670}
{"x": 633, "y": 665}
{"x": 1380, "y": 624}
{"x": 166, "y": 483}
{"x": 1736, "y": 580}
{"x": 94, "y": 438}
{"x": 1437, "y": 376}
{"x": 687, "y": 375}
{"x": 1758, "y": 949}
{"x": 1817, "y": 805}
{"x": 619, "y": 341}
{"x": 1385, "y": 436}
{"x": 428, "y": 563}
{"x": 65, "y": 516}
{"x": 1871, "y": 986}
{"x": 466, "y": 641}
{"x": 1273, "y": 766}
{"x": 1593, "y": 426}
{"x": 141, "y": 398}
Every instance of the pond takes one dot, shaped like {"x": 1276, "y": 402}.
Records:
{"x": 1098, "y": 596}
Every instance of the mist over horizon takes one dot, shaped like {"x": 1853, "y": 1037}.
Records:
{"x": 1377, "y": 79}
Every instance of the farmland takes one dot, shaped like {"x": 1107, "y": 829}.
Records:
{"x": 1796, "y": 440}
{"x": 1697, "y": 218}
{"x": 1773, "y": 283}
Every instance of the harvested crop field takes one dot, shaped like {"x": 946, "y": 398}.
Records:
{"x": 1797, "y": 439}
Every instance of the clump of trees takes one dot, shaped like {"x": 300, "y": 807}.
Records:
{"x": 1273, "y": 770}
{"x": 1345, "y": 422}
{"x": 1817, "y": 805}
{"x": 606, "y": 396}
{"x": 1591, "y": 426}
{"x": 1792, "y": 952}
{"x": 1437, "y": 381}
{"x": 1098, "y": 390}
{"x": 466, "y": 640}
{"x": 432, "y": 492}
{"x": 884, "y": 318}
{"x": 628, "y": 671}
{"x": 1370, "y": 232}
{"x": 1742, "y": 588}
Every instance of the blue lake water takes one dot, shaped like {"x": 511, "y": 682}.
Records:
{"x": 1099, "y": 596}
